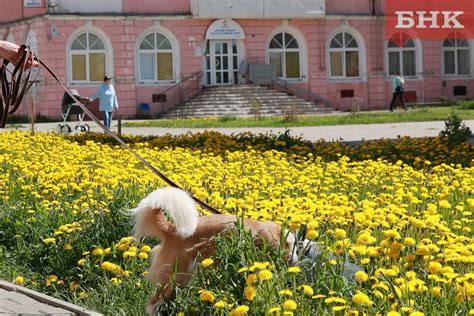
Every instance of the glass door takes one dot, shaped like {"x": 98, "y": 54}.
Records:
{"x": 221, "y": 60}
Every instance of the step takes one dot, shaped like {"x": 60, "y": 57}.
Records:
{"x": 246, "y": 104}
{"x": 237, "y": 112}
{"x": 238, "y": 100}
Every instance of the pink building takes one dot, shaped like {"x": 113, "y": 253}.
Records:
{"x": 335, "y": 49}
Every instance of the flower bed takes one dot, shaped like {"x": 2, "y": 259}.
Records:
{"x": 64, "y": 228}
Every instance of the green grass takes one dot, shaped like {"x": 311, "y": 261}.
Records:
{"x": 412, "y": 115}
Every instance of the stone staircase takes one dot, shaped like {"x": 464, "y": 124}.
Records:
{"x": 243, "y": 101}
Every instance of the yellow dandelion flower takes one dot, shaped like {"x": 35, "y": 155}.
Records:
{"x": 259, "y": 266}
{"x": 251, "y": 279}
{"x": 294, "y": 269}
{"x": 307, "y": 290}
{"x": 409, "y": 242}
{"x": 422, "y": 250}
{"x": 207, "y": 296}
{"x": 250, "y": 293}
{"x": 365, "y": 261}
{"x": 143, "y": 255}
{"x": 240, "y": 310}
{"x": 115, "y": 281}
{"x": 19, "y": 280}
{"x": 290, "y": 305}
{"x": 50, "y": 241}
{"x": 361, "y": 276}
{"x": 437, "y": 291}
{"x": 434, "y": 267}
{"x": 333, "y": 299}
{"x": 220, "y": 304}
{"x": 285, "y": 292}
{"x": 340, "y": 233}
{"x": 265, "y": 275}
{"x": 312, "y": 234}
{"x": 73, "y": 286}
{"x": 97, "y": 251}
{"x": 444, "y": 204}
{"x": 362, "y": 299}
{"x": 145, "y": 248}
{"x": 339, "y": 308}
{"x": 207, "y": 262}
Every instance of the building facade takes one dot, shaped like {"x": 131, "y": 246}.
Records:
{"x": 335, "y": 49}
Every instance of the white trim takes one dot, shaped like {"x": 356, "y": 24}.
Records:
{"x": 303, "y": 50}
{"x": 109, "y": 52}
{"x": 10, "y": 37}
{"x": 240, "y": 56}
{"x": 457, "y": 76}
{"x": 225, "y": 29}
{"x": 418, "y": 59}
{"x": 157, "y": 28}
{"x": 142, "y": 17}
{"x": 361, "y": 49}
{"x": 125, "y": 17}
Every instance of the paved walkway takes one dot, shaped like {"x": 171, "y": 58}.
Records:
{"x": 20, "y": 301}
{"x": 348, "y": 133}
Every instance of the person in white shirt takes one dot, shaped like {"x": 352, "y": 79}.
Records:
{"x": 107, "y": 100}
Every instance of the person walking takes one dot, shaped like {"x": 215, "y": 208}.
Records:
{"x": 107, "y": 100}
{"x": 397, "y": 89}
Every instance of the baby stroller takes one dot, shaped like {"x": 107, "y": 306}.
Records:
{"x": 68, "y": 107}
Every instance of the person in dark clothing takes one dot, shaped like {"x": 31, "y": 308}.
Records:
{"x": 397, "y": 89}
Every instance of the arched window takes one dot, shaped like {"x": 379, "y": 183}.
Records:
{"x": 456, "y": 55}
{"x": 155, "y": 58}
{"x": 401, "y": 55}
{"x": 88, "y": 58}
{"x": 344, "y": 56}
{"x": 284, "y": 53}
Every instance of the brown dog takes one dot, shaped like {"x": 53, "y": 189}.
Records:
{"x": 188, "y": 238}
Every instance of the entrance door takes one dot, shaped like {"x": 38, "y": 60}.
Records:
{"x": 221, "y": 62}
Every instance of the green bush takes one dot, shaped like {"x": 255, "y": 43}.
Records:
{"x": 456, "y": 131}
{"x": 411, "y": 151}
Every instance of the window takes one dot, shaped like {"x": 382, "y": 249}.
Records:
{"x": 456, "y": 55}
{"x": 155, "y": 57}
{"x": 284, "y": 53}
{"x": 88, "y": 58}
{"x": 344, "y": 56}
{"x": 401, "y": 56}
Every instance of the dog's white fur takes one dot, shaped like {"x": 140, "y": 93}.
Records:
{"x": 177, "y": 203}
{"x": 188, "y": 238}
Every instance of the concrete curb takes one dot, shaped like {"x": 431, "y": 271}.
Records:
{"x": 24, "y": 301}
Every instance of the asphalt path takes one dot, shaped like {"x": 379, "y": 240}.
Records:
{"x": 347, "y": 133}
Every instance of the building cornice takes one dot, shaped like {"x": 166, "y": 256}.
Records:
{"x": 171, "y": 16}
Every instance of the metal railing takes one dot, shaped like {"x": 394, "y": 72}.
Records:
{"x": 292, "y": 89}
{"x": 182, "y": 91}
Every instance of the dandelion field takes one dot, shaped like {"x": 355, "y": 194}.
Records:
{"x": 64, "y": 226}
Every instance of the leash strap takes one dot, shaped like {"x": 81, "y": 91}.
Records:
{"x": 12, "y": 97}
{"x": 13, "y": 92}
